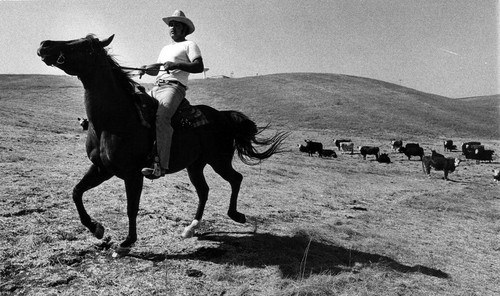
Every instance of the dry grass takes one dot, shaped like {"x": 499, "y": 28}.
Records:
{"x": 342, "y": 226}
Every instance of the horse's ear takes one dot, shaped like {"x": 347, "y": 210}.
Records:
{"x": 107, "y": 41}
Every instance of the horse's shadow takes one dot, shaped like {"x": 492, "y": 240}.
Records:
{"x": 295, "y": 256}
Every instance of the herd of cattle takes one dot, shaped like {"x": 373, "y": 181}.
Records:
{"x": 471, "y": 150}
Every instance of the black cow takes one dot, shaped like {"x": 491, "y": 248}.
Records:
{"x": 449, "y": 146}
{"x": 302, "y": 148}
{"x": 396, "y": 144}
{"x": 471, "y": 150}
{"x": 369, "y": 150}
{"x": 469, "y": 147}
{"x": 328, "y": 153}
{"x": 412, "y": 149}
{"x": 313, "y": 147}
{"x": 481, "y": 154}
{"x": 338, "y": 142}
{"x": 84, "y": 123}
{"x": 439, "y": 163}
{"x": 384, "y": 158}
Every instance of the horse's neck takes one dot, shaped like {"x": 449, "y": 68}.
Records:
{"x": 104, "y": 99}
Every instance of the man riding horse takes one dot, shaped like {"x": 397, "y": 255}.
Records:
{"x": 177, "y": 60}
{"x": 120, "y": 144}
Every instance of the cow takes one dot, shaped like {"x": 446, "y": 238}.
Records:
{"x": 412, "y": 149}
{"x": 369, "y": 150}
{"x": 328, "y": 153}
{"x": 439, "y": 163}
{"x": 496, "y": 175}
{"x": 384, "y": 158}
{"x": 449, "y": 146}
{"x": 337, "y": 142}
{"x": 313, "y": 147}
{"x": 302, "y": 148}
{"x": 481, "y": 154}
{"x": 84, "y": 123}
{"x": 472, "y": 150}
{"x": 396, "y": 144}
{"x": 347, "y": 147}
{"x": 469, "y": 147}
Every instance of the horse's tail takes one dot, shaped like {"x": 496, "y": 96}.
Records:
{"x": 246, "y": 139}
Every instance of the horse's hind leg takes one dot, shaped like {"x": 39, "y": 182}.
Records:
{"x": 197, "y": 178}
{"x": 92, "y": 178}
{"x": 225, "y": 169}
{"x": 195, "y": 172}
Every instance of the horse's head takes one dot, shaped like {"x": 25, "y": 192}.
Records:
{"x": 75, "y": 57}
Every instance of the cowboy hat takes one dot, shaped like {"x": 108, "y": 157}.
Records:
{"x": 179, "y": 16}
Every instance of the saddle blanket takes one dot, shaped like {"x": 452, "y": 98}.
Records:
{"x": 188, "y": 116}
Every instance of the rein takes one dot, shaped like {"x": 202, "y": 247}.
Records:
{"x": 130, "y": 68}
{"x": 142, "y": 70}
{"x": 61, "y": 59}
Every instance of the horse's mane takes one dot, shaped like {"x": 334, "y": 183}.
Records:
{"x": 123, "y": 78}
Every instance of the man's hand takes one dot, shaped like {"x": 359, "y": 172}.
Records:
{"x": 170, "y": 66}
{"x": 151, "y": 69}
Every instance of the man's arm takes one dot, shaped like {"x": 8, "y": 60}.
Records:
{"x": 152, "y": 69}
{"x": 196, "y": 66}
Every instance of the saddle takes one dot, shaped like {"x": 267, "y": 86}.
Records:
{"x": 186, "y": 116}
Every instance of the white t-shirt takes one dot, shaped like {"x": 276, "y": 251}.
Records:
{"x": 185, "y": 51}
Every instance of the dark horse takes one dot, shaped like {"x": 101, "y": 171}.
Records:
{"x": 119, "y": 145}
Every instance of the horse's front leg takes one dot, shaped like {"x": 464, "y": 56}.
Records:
{"x": 133, "y": 187}
{"x": 91, "y": 179}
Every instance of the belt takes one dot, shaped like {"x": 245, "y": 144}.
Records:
{"x": 161, "y": 82}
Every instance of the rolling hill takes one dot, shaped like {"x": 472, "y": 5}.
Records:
{"x": 351, "y": 104}
{"x": 347, "y": 105}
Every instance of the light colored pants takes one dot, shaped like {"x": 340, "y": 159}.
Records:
{"x": 169, "y": 97}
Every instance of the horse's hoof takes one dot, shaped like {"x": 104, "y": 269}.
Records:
{"x": 187, "y": 233}
{"x": 237, "y": 217}
{"x": 99, "y": 230}
{"x": 189, "y": 230}
{"x": 121, "y": 251}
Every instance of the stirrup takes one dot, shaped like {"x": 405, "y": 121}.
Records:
{"x": 154, "y": 172}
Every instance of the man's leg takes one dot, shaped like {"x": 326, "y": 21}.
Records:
{"x": 169, "y": 98}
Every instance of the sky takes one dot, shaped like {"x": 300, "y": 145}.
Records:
{"x": 443, "y": 47}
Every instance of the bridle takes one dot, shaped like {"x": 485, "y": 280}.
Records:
{"x": 61, "y": 59}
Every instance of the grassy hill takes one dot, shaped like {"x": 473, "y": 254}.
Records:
{"x": 347, "y": 105}
{"x": 351, "y": 104}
